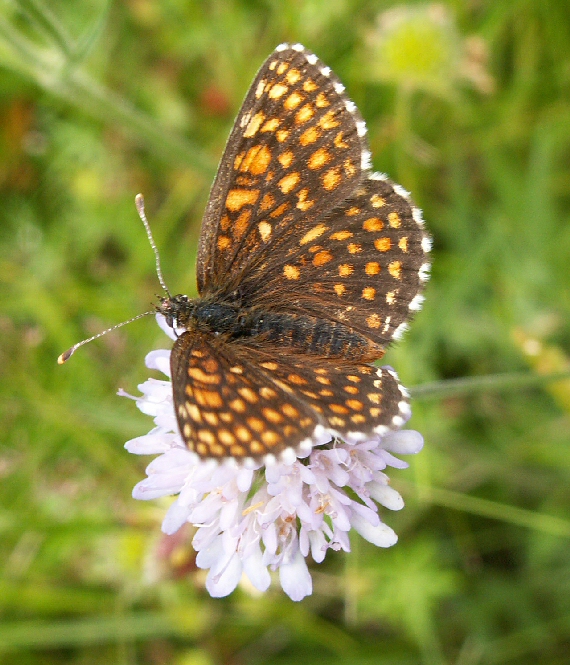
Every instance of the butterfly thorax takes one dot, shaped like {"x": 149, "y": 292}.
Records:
{"x": 301, "y": 333}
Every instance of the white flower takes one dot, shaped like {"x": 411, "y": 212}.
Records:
{"x": 250, "y": 521}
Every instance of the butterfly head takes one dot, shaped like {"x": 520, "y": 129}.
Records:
{"x": 177, "y": 310}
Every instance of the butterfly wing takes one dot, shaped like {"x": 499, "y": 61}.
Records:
{"x": 236, "y": 401}
{"x": 364, "y": 264}
{"x": 295, "y": 152}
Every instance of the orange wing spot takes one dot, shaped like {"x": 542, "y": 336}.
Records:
{"x": 318, "y": 159}
{"x": 322, "y": 101}
{"x": 345, "y": 270}
{"x": 375, "y": 398}
{"x": 324, "y": 380}
{"x": 269, "y": 365}
{"x": 272, "y": 415}
{"x": 309, "y": 136}
{"x": 267, "y": 202}
{"x": 372, "y": 268}
{"x": 270, "y": 438}
{"x": 223, "y": 243}
{"x": 391, "y": 297}
{"x": 226, "y": 437}
{"x": 238, "y": 160}
{"x": 237, "y": 198}
{"x": 257, "y": 160}
{"x": 403, "y": 244}
{"x": 310, "y": 86}
{"x": 289, "y": 410}
{"x": 394, "y": 220}
{"x": 291, "y": 272}
{"x": 283, "y": 67}
{"x": 271, "y": 125}
{"x": 293, "y": 75}
{"x": 264, "y": 230}
{"x": 198, "y": 374}
{"x": 368, "y": 293}
{"x": 297, "y": 380}
{"x": 256, "y": 424}
{"x": 338, "y": 408}
{"x": 314, "y": 233}
{"x": 211, "y": 418}
{"x": 182, "y": 411}
{"x": 256, "y": 448}
{"x": 349, "y": 167}
{"x": 289, "y": 182}
{"x": 278, "y": 212}
{"x": 351, "y": 390}
{"x": 294, "y": 99}
{"x": 187, "y": 431}
{"x": 267, "y": 393}
{"x": 238, "y": 405}
{"x": 328, "y": 121}
{"x": 373, "y": 224}
{"x": 340, "y": 289}
{"x": 194, "y": 412}
{"x": 395, "y": 269}
{"x": 241, "y": 224}
{"x": 238, "y": 451}
{"x": 335, "y": 421}
{"x": 286, "y": 159}
{"x": 208, "y": 398}
{"x": 288, "y": 430}
{"x": 259, "y": 89}
{"x": 322, "y": 258}
{"x": 339, "y": 142}
{"x": 304, "y": 203}
{"x": 341, "y": 235}
{"x": 254, "y": 124}
{"x": 331, "y": 179}
{"x": 249, "y": 395}
{"x": 304, "y": 114}
{"x": 243, "y": 434}
{"x": 225, "y": 222}
{"x": 325, "y": 393}
{"x": 282, "y": 135}
{"x": 354, "y": 378}
{"x": 354, "y": 248}
{"x": 358, "y": 419}
{"x": 206, "y": 436}
{"x": 383, "y": 244}
{"x": 354, "y": 404}
{"x": 377, "y": 201}
{"x": 273, "y": 64}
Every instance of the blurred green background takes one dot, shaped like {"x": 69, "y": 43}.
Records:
{"x": 468, "y": 106}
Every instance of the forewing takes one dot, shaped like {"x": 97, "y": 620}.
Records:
{"x": 227, "y": 406}
{"x": 365, "y": 264}
{"x": 295, "y": 152}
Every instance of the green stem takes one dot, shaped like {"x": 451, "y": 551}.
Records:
{"x": 476, "y": 384}
{"x": 52, "y": 71}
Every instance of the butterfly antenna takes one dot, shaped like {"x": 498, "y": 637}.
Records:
{"x": 139, "y": 202}
{"x": 64, "y": 357}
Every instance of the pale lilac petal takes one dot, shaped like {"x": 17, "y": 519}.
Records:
{"x": 295, "y": 578}
{"x": 403, "y": 442}
{"x": 225, "y": 582}
{"x": 385, "y": 495}
{"x": 381, "y": 535}
{"x": 175, "y": 517}
{"x": 256, "y": 572}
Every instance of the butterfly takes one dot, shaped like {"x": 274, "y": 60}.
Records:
{"x": 309, "y": 265}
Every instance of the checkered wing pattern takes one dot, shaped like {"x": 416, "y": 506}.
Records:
{"x": 296, "y": 152}
{"x": 363, "y": 265}
{"x": 242, "y": 402}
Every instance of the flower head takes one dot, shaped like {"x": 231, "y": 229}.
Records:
{"x": 250, "y": 521}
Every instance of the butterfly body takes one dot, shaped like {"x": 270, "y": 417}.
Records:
{"x": 309, "y": 265}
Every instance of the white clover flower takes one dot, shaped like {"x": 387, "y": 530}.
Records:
{"x": 252, "y": 520}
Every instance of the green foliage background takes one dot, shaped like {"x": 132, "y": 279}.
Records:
{"x": 100, "y": 100}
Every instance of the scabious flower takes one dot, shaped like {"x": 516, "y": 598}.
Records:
{"x": 249, "y": 521}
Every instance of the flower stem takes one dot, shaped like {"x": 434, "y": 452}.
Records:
{"x": 476, "y": 384}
